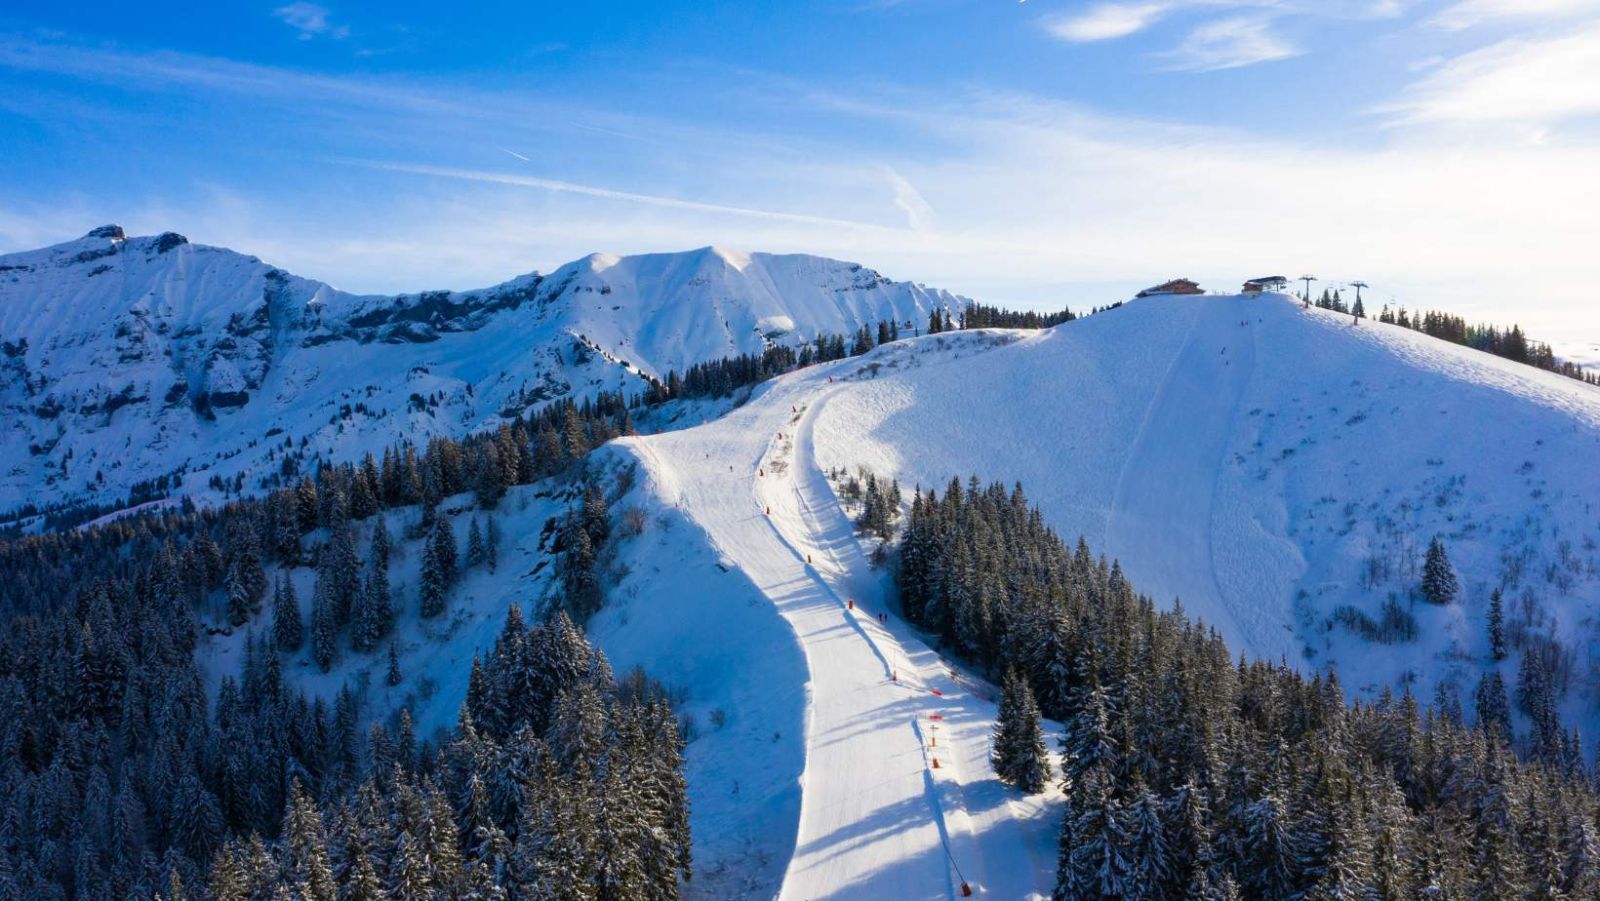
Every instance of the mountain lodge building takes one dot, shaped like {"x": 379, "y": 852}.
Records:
{"x": 1176, "y": 286}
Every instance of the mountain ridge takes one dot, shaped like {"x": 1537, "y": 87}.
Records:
{"x": 153, "y": 345}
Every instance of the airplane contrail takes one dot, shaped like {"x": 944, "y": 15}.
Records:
{"x": 550, "y": 184}
{"x": 516, "y": 154}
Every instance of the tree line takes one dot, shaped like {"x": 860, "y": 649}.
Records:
{"x": 1511, "y": 343}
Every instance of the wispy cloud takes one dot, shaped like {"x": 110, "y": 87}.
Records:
{"x": 1037, "y": 201}
{"x": 919, "y": 214}
{"x": 311, "y": 21}
{"x": 1229, "y": 43}
{"x": 1518, "y": 80}
{"x": 1471, "y": 13}
{"x": 1106, "y": 21}
{"x": 1231, "y": 33}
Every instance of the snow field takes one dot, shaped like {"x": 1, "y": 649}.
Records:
{"x": 877, "y": 818}
{"x": 1260, "y": 485}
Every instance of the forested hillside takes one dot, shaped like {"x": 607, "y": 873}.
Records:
{"x": 1192, "y": 773}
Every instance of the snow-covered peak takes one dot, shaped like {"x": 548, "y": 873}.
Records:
{"x": 132, "y": 358}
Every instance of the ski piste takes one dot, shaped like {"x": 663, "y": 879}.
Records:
{"x": 898, "y": 797}
{"x": 1229, "y": 428}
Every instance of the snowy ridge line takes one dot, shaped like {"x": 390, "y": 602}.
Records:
{"x": 1327, "y": 454}
{"x": 1567, "y": 395}
{"x": 177, "y": 361}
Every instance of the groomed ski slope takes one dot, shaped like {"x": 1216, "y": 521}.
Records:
{"x": 897, "y": 796}
{"x": 1253, "y": 458}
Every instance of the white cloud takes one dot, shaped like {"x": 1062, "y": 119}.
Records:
{"x": 1243, "y": 35}
{"x": 919, "y": 215}
{"x": 1038, "y": 202}
{"x": 311, "y": 20}
{"x": 1106, "y": 21}
{"x": 1521, "y": 81}
{"x": 1470, "y": 13}
{"x": 1229, "y": 43}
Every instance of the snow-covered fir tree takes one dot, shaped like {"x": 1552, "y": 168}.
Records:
{"x": 1439, "y": 582}
{"x": 1019, "y": 754}
{"x": 287, "y": 628}
{"x": 438, "y": 567}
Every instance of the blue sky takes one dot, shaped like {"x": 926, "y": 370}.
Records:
{"x": 1033, "y": 153}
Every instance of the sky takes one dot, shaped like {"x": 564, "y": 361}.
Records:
{"x": 1034, "y": 153}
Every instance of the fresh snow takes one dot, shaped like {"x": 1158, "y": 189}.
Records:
{"x": 1252, "y": 458}
{"x": 1248, "y": 456}
{"x": 127, "y": 359}
{"x": 897, "y": 797}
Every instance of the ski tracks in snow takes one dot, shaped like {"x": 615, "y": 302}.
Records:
{"x": 1162, "y": 523}
{"x": 898, "y": 799}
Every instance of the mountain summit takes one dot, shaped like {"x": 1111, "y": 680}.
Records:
{"x": 129, "y": 360}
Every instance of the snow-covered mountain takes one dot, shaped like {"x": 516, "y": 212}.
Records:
{"x": 1279, "y": 469}
{"x": 125, "y": 360}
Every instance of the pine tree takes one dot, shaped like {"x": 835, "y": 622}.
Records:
{"x": 245, "y": 584}
{"x": 324, "y": 628}
{"x": 554, "y": 855}
{"x": 393, "y": 677}
{"x": 438, "y": 568}
{"x": 1497, "y": 627}
{"x": 305, "y": 849}
{"x": 363, "y": 883}
{"x": 1271, "y": 850}
{"x": 1149, "y": 860}
{"x": 1494, "y": 706}
{"x": 581, "y": 589}
{"x": 491, "y": 550}
{"x": 575, "y": 441}
{"x": 1439, "y": 584}
{"x": 1094, "y": 842}
{"x": 476, "y": 554}
{"x": 1087, "y": 742}
{"x": 596, "y": 515}
{"x": 288, "y": 632}
{"x": 1019, "y": 756}
{"x": 374, "y": 614}
{"x": 1498, "y": 865}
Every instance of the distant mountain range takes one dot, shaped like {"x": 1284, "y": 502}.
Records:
{"x": 124, "y": 360}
